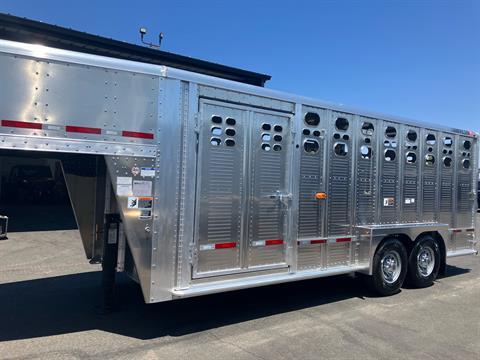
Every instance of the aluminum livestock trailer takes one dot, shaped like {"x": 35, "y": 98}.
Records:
{"x": 212, "y": 185}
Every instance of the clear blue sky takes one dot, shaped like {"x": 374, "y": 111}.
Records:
{"x": 419, "y": 59}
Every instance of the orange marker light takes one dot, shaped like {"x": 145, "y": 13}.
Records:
{"x": 320, "y": 196}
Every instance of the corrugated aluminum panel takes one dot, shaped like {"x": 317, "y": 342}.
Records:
{"x": 429, "y": 175}
{"x": 447, "y": 180}
{"x": 389, "y": 174}
{"x": 366, "y": 171}
{"x": 339, "y": 254}
{"x": 311, "y": 210}
{"x": 269, "y": 155}
{"x": 466, "y": 160}
{"x": 220, "y": 187}
{"x": 340, "y": 177}
{"x": 411, "y": 161}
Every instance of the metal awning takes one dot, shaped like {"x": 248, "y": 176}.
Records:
{"x": 30, "y": 31}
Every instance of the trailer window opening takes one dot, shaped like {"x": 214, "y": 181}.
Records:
{"x": 431, "y": 139}
{"x": 266, "y": 127}
{"x": 216, "y": 119}
{"x": 367, "y": 128}
{"x": 341, "y": 149}
{"x": 311, "y": 146}
{"x": 390, "y": 132}
{"x": 366, "y": 152}
{"x": 230, "y": 142}
{"x": 316, "y": 133}
{"x": 230, "y": 132}
{"x": 266, "y": 147}
{"x": 466, "y": 164}
{"x": 215, "y": 141}
{"x": 277, "y": 147}
{"x": 266, "y": 137}
{"x": 230, "y": 121}
{"x": 447, "y": 161}
{"x": 312, "y": 119}
{"x": 412, "y": 135}
{"x": 447, "y": 141}
{"x": 467, "y": 145}
{"x": 390, "y": 155}
{"x": 277, "y": 138}
{"x": 411, "y": 158}
{"x": 278, "y": 128}
{"x": 306, "y": 132}
{"x": 217, "y": 131}
{"x": 429, "y": 160}
{"x": 342, "y": 124}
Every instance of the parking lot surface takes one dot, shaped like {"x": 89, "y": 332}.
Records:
{"x": 48, "y": 295}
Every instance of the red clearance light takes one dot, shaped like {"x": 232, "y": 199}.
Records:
{"x": 136, "y": 134}
{"x": 319, "y": 241}
{"x": 456, "y": 230}
{"x": 83, "y": 130}
{"x": 274, "y": 242}
{"x": 22, "y": 124}
{"x": 227, "y": 245}
{"x": 343, "y": 239}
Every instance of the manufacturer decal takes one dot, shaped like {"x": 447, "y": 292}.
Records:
{"x": 135, "y": 171}
{"x": 124, "y": 186}
{"x": 147, "y": 172}
{"x": 389, "y": 201}
{"x": 142, "y": 188}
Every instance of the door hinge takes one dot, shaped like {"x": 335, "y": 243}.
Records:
{"x": 192, "y": 253}
{"x": 197, "y": 122}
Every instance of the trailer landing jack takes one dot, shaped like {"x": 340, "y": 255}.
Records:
{"x": 109, "y": 261}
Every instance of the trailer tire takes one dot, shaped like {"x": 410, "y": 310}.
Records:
{"x": 424, "y": 262}
{"x": 389, "y": 268}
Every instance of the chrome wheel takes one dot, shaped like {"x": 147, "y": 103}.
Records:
{"x": 391, "y": 265}
{"x": 425, "y": 261}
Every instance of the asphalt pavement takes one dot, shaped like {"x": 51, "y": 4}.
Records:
{"x": 49, "y": 294}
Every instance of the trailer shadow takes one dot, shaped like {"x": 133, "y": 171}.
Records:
{"x": 66, "y": 304}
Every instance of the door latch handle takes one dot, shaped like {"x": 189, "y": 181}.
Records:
{"x": 284, "y": 198}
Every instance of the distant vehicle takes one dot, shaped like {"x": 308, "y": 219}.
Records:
{"x": 30, "y": 183}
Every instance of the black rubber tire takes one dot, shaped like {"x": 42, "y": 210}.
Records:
{"x": 414, "y": 277}
{"x": 376, "y": 281}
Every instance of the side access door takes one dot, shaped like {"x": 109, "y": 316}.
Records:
{"x": 242, "y": 189}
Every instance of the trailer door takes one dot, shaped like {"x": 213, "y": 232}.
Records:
{"x": 241, "y": 189}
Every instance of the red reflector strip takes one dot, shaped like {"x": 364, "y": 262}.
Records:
{"x": 22, "y": 124}
{"x": 456, "y": 230}
{"x": 339, "y": 240}
{"x": 83, "y": 130}
{"x": 226, "y": 245}
{"x": 273, "y": 242}
{"x": 319, "y": 241}
{"x": 139, "y": 135}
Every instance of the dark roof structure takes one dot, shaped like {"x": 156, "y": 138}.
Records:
{"x": 30, "y": 31}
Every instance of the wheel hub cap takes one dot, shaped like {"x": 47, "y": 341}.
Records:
{"x": 425, "y": 261}
{"x": 391, "y": 266}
